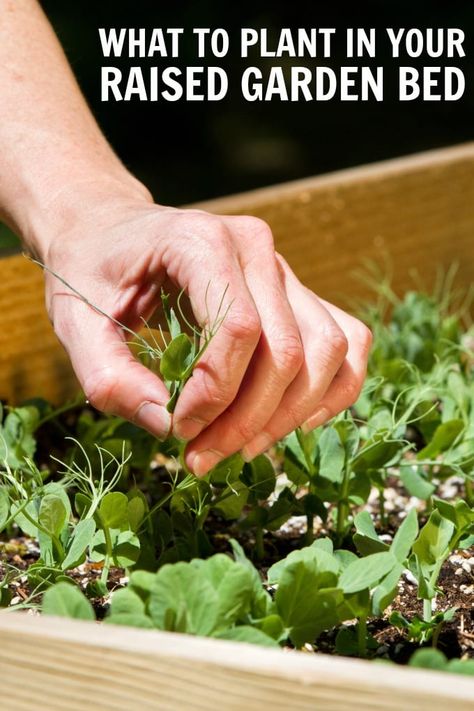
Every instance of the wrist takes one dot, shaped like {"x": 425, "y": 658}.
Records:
{"x": 84, "y": 200}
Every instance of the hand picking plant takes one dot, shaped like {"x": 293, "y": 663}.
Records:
{"x": 325, "y": 530}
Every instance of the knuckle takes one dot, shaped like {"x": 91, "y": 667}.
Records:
{"x": 99, "y": 388}
{"x": 364, "y": 337}
{"x": 351, "y": 390}
{"x": 337, "y": 345}
{"x": 288, "y": 353}
{"x": 216, "y": 392}
{"x": 242, "y": 325}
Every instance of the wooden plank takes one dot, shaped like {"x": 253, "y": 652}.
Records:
{"x": 417, "y": 211}
{"x": 414, "y": 214}
{"x": 53, "y": 663}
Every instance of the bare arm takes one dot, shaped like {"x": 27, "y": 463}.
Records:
{"x": 281, "y": 359}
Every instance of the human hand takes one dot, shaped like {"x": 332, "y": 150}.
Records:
{"x": 282, "y": 357}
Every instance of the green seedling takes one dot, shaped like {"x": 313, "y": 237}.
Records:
{"x": 449, "y": 527}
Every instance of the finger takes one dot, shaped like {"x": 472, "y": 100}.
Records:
{"x": 275, "y": 362}
{"x": 212, "y": 273}
{"x": 112, "y": 380}
{"x": 325, "y": 347}
{"x": 346, "y": 386}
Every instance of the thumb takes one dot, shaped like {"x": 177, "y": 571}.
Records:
{"x": 112, "y": 379}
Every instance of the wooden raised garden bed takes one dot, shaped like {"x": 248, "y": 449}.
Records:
{"x": 418, "y": 212}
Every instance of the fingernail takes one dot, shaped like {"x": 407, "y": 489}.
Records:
{"x": 154, "y": 418}
{"x": 256, "y": 446}
{"x": 201, "y": 463}
{"x": 321, "y": 416}
{"x": 188, "y": 428}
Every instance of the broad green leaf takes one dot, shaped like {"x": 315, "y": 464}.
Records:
{"x": 66, "y": 600}
{"x": 245, "y": 633}
{"x": 177, "y": 358}
{"x": 181, "y": 600}
{"x": 113, "y": 510}
{"x": 130, "y": 619}
{"x": 405, "y": 537}
{"x": 259, "y": 476}
{"x": 233, "y": 583}
{"x": 260, "y": 599}
{"x": 428, "y": 659}
{"x": 227, "y": 471}
{"x": 323, "y": 564}
{"x": 349, "y": 434}
{"x": 366, "y": 539}
{"x": 135, "y": 512}
{"x": 305, "y": 610}
{"x": 79, "y": 542}
{"x": 53, "y": 514}
{"x": 366, "y": 572}
{"x": 415, "y": 482}
{"x": 272, "y": 625}
{"x": 141, "y": 582}
{"x": 443, "y": 438}
{"x": 27, "y": 525}
{"x": 332, "y": 455}
{"x": 233, "y": 500}
{"x": 386, "y": 590}
{"x": 126, "y": 549}
{"x": 125, "y": 601}
{"x": 433, "y": 539}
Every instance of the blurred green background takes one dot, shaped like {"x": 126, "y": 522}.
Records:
{"x": 191, "y": 151}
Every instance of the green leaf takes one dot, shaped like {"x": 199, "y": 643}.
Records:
{"x": 125, "y": 601}
{"x": 113, "y": 510}
{"x": 4, "y": 507}
{"x": 126, "y": 549}
{"x": 332, "y": 455}
{"x": 141, "y": 582}
{"x": 66, "y": 600}
{"x": 443, "y": 438}
{"x": 366, "y": 572}
{"x": 53, "y": 514}
{"x": 233, "y": 500}
{"x": 405, "y": 536}
{"x": 135, "y": 512}
{"x": 80, "y": 540}
{"x": 366, "y": 539}
{"x": 22, "y": 522}
{"x": 325, "y": 565}
{"x": 305, "y": 610}
{"x": 259, "y": 477}
{"x": 245, "y": 633}
{"x": 433, "y": 539}
{"x": 386, "y": 590}
{"x": 415, "y": 482}
{"x": 130, "y": 619}
{"x": 227, "y": 471}
{"x": 181, "y": 600}
{"x": 177, "y": 358}
{"x": 428, "y": 659}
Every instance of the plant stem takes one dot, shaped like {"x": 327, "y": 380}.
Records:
{"x": 427, "y": 612}
{"x": 108, "y": 555}
{"x": 343, "y": 507}
{"x": 362, "y": 636}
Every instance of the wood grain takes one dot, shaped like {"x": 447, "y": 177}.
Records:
{"x": 416, "y": 212}
{"x": 55, "y": 664}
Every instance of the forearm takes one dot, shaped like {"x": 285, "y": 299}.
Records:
{"x": 52, "y": 153}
